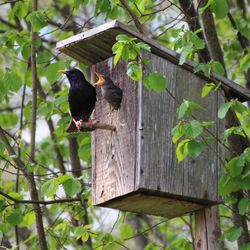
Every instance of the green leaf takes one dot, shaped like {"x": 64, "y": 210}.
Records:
{"x": 177, "y": 132}
{"x": 122, "y": 38}
{"x": 82, "y": 232}
{"x": 243, "y": 205}
{"x": 61, "y": 179}
{"x": 43, "y": 57}
{"x": 239, "y": 107}
{"x": 26, "y": 51}
{"x": 12, "y": 81}
{"x": 234, "y": 233}
{"x": 15, "y": 195}
{"x": 195, "y": 148}
{"x": 208, "y": 123}
{"x": 184, "y": 53}
{"x": 235, "y": 166}
{"x": 144, "y": 46}
{"x": 194, "y": 129}
{"x": 245, "y": 63}
{"x": 218, "y": 68}
{"x": 28, "y": 219}
{"x": 208, "y": 70}
{"x": 198, "y": 43}
{"x": 72, "y": 187}
{"x": 52, "y": 71}
{"x": 209, "y": 3}
{"x": 118, "y": 53}
{"x": 245, "y": 183}
{"x": 49, "y": 188}
{"x": 220, "y": 8}
{"x": 182, "y": 150}
{"x": 156, "y": 82}
{"x": 183, "y": 109}
{"x": 21, "y": 9}
{"x": 207, "y": 89}
{"x": 227, "y": 185}
{"x": 8, "y": 119}
{"x": 199, "y": 67}
{"x": 245, "y": 246}
{"x": 14, "y": 218}
{"x": 134, "y": 71}
{"x": 37, "y": 20}
{"x": 125, "y": 53}
{"x": 126, "y": 231}
{"x": 224, "y": 109}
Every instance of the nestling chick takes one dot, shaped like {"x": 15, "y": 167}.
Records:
{"x": 110, "y": 92}
{"x": 81, "y": 98}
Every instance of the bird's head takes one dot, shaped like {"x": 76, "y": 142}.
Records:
{"x": 75, "y": 76}
{"x": 101, "y": 80}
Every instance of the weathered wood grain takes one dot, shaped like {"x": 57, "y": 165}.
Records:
{"x": 200, "y": 230}
{"x": 154, "y": 205}
{"x": 158, "y": 167}
{"x": 105, "y": 35}
{"x": 114, "y": 153}
{"x": 205, "y": 236}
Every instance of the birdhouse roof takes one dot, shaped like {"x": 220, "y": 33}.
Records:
{"x": 95, "y": 45}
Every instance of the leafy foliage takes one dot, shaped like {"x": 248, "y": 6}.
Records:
{"x": 73, "y": 225}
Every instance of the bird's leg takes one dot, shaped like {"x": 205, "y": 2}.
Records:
{"x": 78, "y": 124}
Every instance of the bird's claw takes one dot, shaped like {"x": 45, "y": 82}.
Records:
{"x": 78, "y": 124}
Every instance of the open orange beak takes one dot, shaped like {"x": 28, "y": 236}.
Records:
{"x": 100, "y": 80}
{"x": 62, "y": 71}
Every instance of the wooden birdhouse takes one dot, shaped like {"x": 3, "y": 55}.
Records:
{"x": 135, "y": 168}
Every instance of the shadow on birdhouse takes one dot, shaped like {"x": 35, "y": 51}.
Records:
{"x": 135, "y": 167}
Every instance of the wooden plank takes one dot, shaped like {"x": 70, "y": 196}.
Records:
{"x": 115, "y": 152}
{"x": 200, "y": 175}
{"x": 206, "y": 229}
{"x": 85, "y": 35}
{"x": 111, "y": 29}
{"x": 212, "y": 228}
{"x": 158, "y": 165}
{"x": 159, "y": 206}
{"x": 200, "y": 231}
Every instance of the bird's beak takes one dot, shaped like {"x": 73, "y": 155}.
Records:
{"x": 62, "y": 71}
{"x": 100, "y": 80}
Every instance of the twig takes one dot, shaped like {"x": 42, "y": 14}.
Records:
{"x": 146, "y": 230}
{"x": 85, "y": 126}
{"x": 12, "y": 1}
{"x": 99, "y": 125}
{"x": 239, "y": 35}
{"x": 38, "y": 201}
{"x": 8, "y": 23}
{"x": 138, "y": 24}
{"x": 9, "y": 108}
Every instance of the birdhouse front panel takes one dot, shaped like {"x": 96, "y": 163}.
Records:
{"x": 114, "y": 153}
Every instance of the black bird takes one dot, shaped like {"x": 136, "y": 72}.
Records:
{"x": 81, "y": 98}
{"x": 110, "y": 92}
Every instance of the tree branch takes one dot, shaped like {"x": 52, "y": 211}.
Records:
{"x": 38, "y": 201}
{"x": 9, "y": 24}
{"x": 194, "y": 24}
{"x": 241, "y": 39}
{"x": 137, "y": 23}
{"x": 86, "y": 127}
{"x": 32, "y": 184}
